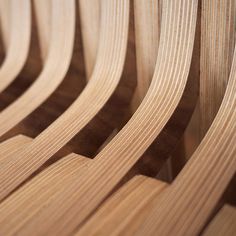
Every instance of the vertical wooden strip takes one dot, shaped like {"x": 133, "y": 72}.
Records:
{"x": 90, "y": 24}
{"x": 217, "y": 44}
{"x": 147, "y": 33}
{"x": 43, "y": 18}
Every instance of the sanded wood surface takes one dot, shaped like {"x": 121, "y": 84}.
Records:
{"x": 117, "y": 157}
{"x": 90, "y": 26}
{"x": 78, "y": 115}
{"x": 204, "y": 178}
{"x": 223, "y": 223}
{"x": 113, "y": 217}
{"x": 19, "y": 39}
{"x": 100, "y": 62}
{"x": 5, "y": 23}
{"x": 12, "y": 145}
{"x": 43, "y": 12}
{"x": 147, "y": 33}
{"x": 54, "y": 70}
{"x": 217, "y": 40}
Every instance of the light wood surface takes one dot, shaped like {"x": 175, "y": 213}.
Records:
{"x": 54, "y": 70}
{"x": 5, "y": 22}
{"x": 90, "y": 26}
{"x": 121, "y": 153}
{"x": 184, "y": 206}
{"x": 18, "y": 38}
{"x": 87, "y": 90}
{"x": 196, "y": 190}
{"x": 223, "y": 223}
{"x": 43, "y": 12}
{"x": 218, "y": 23}
{"x": 119, "y": 210}
{"x": 101, "y": 86}
{"x": 147, "y": 33}
{"x": 12, "y": 145}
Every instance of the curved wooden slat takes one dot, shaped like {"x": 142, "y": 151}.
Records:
{"x": 54, "y": 70}
{"x": 19, "y": 40}
{"x": 147, "y": 30}
{"x": 43, "y": 10}
{"x": 96, "y": 180}
{"x": 5, "y": 22}
{"x": 106, "y": 76}
{"x": 12, "y": 145}
{"x": 217, "y": 40}
{"x": 223, "y": 223}
{"x": 185, "y": 206}
{"x": 218, "y": 19}
{"x": 90, "y": 25}
{"x": 120, "y": 208}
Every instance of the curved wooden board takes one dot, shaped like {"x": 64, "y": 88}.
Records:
{"x": 184, "y": 208}
{"x": 17, "y": 33}
{"x": 54, "y": 70}
{"x": 103, "y": 82}
{"x": 123, "y": 151}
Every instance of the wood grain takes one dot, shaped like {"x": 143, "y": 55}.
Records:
{"x": 116, "y": 213}
{"x": 217, "y": 40}
{"x": 147, "y": 33}
{"x": 90, "y": 26}
{"x": 46, "y": 189}
{"x": 43, "y": 12}
{"x": 111, "y": 164}
{"x": 195, "y": 192}
{"x": 78, "y": 115}
{"x": 54, "y": 69}
{"x": 19, "y": 40}
{"x": 223, "y": 223}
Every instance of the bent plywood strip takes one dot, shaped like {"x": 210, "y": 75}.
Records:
{"x": 5, "y": 22}
{"x": 12, "y": 145}
{"x": 55, "y": 68}
{"x": 223, "y": 223}
{"x": 19, "y": 40}
{"x": 106, "y": 76}
{"x": 120, "y": 209}
{"x": 147, "y": 32}
{"x": 121, "y": 153}
{"x": 43, "y": 12}
{"x": 217, "y": 45}
{"x": 90, "y": 25}
{"x": 186, "y": 205}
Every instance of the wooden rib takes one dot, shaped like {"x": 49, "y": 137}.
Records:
{"x": 217, "y": 45}
{"x": 90, "y": 25}
{"x": 82, "y": 195}
{"x": 5, "y": 22}
{"x": 13, "y": 145}
{"x": 54, "y": 70}
{"x": 106, "y": 76}
{"x": 19, "y": 41}
{"x": 223, "y": 223}
{"x": 185, "y": 206}
{"x": 43, "y": 11}
{"x": 218, "y": 20}
{"x": 120, "y": 208}
{"x": 147, "y": 30}
{"x": 52, "y": 180}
